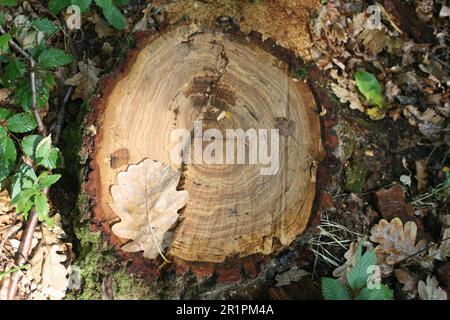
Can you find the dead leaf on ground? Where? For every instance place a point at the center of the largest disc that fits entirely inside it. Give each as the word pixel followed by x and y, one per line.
pixel 397 243
pixel 292 275
pixel 431 290
pixel 147 202
pixel 85 81
pixel 409 282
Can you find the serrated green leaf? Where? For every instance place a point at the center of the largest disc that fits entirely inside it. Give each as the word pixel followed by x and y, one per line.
pixel 333 289
pixel 383 293
pixel 44 83
pixel 82 4
pixel 8 3
pixel 29 145
pixel 4 43
pixel 45 180
pixel 56 6
pixel 5 113
pixel 21 123
pixel 47 155
pixel 370 87
pixel 8 154
pixel 24 201
pixel 24 178
pixel 13 71
pixel 358 275
pixel 45 26
pixel 53 57
pixel 41 205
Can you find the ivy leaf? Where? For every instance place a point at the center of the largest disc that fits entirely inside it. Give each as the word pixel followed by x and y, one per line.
pixel 82 4
pixel 4 42
pixel 45 180
pixel 45 26
pixel 29 145
pixel 8 3
pixel 370 87
pixel 41 205
pixel 47 155
pixel 8 154
pixel 53 57
pixel 56 6
pixel 333 289
pixel 358 275
pixel 21 123
pixel 382 293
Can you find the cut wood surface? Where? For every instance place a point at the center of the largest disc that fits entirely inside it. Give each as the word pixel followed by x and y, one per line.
pixel 184 75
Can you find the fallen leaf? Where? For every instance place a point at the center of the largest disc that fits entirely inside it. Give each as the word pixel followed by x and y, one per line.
pixel 431 290
pixel 85 81
pixel 146 200
pixel 397 243
pixel 409 282
pixel 350 261
pixel 292 275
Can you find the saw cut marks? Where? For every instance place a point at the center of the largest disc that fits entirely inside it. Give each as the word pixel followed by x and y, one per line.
pixel 185 75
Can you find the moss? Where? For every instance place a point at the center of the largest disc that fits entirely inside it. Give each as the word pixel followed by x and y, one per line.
pixel 348 141
pixel 355 176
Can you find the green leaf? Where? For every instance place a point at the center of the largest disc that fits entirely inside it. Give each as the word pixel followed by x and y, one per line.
pixel 29 145
pixel 45 180
pixel 8 3
pixel 41 205
pixel 120 2
pixel 82 4
pixel 115 18
pixel 2 19
pixel 44 83
pixel 4 43
pixel 383 293
pixel 21 123
pixel 358 275
pixel 45 26
pixel 53 57
pixel 48 155
pixel 370 87
pixel 112 14
pixel 56 6
pixel 24 200
pixel 104 4
pixel 8 154
pixel 333 289
pixel 5 113
pixel 13 71
pixel 24 178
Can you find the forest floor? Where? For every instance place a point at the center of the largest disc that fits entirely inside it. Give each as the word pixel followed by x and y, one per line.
pixel 385 79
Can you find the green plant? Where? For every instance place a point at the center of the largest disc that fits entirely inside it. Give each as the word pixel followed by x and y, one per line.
pixel 356 284
pixel 27 155
pixel 372 90
pixel 109 8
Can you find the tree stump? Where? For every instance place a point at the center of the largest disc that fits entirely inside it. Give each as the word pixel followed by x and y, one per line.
pixel 184 75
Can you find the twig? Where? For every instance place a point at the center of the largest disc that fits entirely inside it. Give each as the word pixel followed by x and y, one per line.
pixel 27 237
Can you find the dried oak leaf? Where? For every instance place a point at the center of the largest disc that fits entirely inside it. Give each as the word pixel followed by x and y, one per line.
pixel 146 201
pixel 49 272
pixel 85 81
pixel 431 290
pixel 397 243
pixel 409 282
